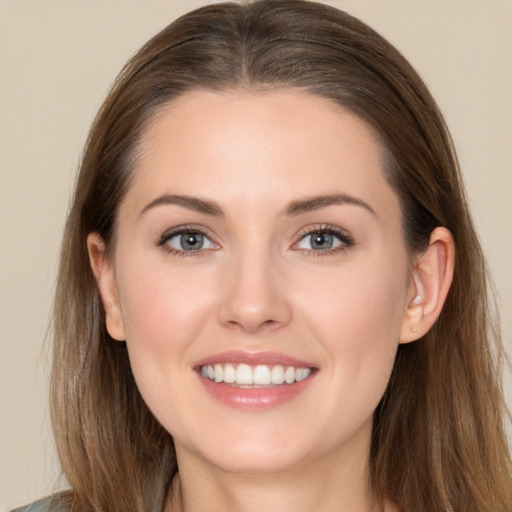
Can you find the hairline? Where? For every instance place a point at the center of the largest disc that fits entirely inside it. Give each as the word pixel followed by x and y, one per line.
pixel 152 115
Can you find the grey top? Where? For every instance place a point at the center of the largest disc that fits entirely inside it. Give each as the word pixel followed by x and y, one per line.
pixel 38 506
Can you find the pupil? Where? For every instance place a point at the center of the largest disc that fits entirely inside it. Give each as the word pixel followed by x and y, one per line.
pixel 321 241
pixel 191 240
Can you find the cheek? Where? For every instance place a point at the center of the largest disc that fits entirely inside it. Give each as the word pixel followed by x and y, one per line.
pixel 161 309
pixel 355 306
pixel 358 317
pixel 163 312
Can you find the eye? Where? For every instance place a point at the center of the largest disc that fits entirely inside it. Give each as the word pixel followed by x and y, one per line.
pixel 186 240
pixel 325 239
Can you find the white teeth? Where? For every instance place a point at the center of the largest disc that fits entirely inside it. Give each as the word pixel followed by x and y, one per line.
pixel 244 374
pixel 260 375
pixel 229 374
pixel 219 373
pixel 289 375
pixel 277 374
pixel 303 373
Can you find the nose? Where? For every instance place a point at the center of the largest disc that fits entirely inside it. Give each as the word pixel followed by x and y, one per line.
pixel 254 299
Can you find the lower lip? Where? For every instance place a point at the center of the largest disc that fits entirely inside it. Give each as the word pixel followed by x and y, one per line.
pixel 254 399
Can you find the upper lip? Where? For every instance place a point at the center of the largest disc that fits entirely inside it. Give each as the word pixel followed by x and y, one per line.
pixel 253 359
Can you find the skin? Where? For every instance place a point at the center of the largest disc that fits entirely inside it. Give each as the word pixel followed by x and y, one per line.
pixel 259 286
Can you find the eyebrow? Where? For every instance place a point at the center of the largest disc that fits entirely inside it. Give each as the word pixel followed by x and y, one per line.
pixel 294 208
pixel 192 203
pixel 317 202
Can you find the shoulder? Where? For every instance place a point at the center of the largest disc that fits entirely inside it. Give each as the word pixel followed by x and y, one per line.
pixel 50 504
pixel 38 506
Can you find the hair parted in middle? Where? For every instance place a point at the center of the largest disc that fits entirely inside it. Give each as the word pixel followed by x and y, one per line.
pixel 114 453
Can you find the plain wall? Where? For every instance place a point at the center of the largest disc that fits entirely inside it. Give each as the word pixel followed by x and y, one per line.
pixel 57 60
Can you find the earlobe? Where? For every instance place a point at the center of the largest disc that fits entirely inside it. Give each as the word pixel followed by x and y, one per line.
pixel 105 278
pixel 432 277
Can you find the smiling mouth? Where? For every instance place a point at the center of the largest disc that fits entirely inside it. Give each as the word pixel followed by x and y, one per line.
pixel 262 375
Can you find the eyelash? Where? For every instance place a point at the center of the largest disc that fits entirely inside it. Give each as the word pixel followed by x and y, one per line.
pixel 343 236
pixel 181 230
pixel 346 239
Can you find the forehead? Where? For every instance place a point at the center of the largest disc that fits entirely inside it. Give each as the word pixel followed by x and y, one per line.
pixel 254 144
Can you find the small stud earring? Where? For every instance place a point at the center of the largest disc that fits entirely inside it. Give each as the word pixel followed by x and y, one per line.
pixel 413 329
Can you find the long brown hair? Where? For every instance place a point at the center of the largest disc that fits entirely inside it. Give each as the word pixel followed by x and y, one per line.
pixel 438 440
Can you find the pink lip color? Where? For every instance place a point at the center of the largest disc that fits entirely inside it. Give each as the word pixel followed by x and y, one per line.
pixel 253 359
pixel 254 399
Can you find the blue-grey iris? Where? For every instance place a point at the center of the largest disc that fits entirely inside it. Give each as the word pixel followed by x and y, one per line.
pixel 191 241
pixel 321 240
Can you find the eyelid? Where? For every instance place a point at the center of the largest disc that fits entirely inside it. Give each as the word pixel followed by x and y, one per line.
pixel 346 239
pixel 183 229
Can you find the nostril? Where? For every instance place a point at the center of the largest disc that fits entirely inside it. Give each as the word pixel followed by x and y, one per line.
pixel 253 325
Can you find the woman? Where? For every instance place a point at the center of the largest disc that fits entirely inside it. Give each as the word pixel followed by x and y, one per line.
pixel 270 289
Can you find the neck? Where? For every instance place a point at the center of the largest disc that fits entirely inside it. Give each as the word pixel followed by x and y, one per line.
pixel 324 485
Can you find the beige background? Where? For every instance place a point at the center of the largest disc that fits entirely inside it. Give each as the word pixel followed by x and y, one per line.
pixel 57 60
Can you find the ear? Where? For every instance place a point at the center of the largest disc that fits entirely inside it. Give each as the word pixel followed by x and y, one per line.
pixel 105 278
pixel 432 277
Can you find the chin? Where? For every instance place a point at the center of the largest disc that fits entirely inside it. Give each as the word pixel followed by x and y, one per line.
pixel 264 454
pixel 256 462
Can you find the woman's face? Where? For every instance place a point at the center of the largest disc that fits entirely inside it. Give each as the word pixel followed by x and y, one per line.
pixel 260 241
